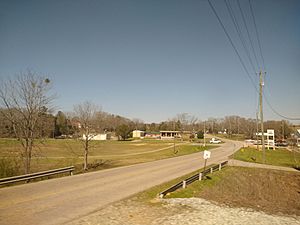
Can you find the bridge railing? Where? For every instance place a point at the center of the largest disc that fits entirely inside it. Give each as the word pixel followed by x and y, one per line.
pixel 28 177
pixel 198 176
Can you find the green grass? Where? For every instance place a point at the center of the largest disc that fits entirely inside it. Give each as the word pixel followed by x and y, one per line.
pixel 195 188
pixel 278 157
pixel 235 137
pixel 151 193
pixel 52 153
pixel 190 191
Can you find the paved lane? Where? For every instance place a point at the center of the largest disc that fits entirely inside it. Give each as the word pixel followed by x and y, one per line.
pixel 61 200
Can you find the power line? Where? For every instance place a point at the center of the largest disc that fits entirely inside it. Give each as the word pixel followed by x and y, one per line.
pixel 257 36
pixel 277 113
pixel 232 44
pixel 248 33
pixel 263 62
pixel 237 28
pixel 241 60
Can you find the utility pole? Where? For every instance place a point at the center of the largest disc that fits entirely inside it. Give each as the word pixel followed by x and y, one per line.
pixel 174 148
pixel 238 125
pixel 283 130
pixel 204 135
pixel 257 130
pixel 261 84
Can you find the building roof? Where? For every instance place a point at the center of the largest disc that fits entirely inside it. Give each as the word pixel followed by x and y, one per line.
pixel 169 131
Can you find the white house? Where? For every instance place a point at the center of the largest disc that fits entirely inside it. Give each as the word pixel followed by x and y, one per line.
pixel 270 135
pixel 98 137
pixel 138 134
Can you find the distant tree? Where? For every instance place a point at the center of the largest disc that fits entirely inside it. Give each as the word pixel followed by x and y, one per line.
pixel 164 126
pixel 138 124
pixel 6 129
pixel 46 124
pixel 26 100
pixel 86 114
pixel 200 135
pixel 61 124
pixel 152 127
pixel 123 131
pixel 185 122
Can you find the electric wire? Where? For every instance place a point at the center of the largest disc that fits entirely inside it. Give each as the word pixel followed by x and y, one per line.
pixel 242 62
pixel 257 36
pixel 248 33
pixel 263 63
pixel 276 112
pixel 238 29
pixel 232 44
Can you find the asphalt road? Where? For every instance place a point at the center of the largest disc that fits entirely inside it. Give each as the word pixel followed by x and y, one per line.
pixel 62 200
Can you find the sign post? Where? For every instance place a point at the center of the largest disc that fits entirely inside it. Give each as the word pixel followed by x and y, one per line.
pixel 206 155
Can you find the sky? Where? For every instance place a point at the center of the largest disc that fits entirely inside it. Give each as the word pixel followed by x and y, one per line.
pixel 154 59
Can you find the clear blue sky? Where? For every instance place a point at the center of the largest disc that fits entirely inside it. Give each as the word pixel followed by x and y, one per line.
pixel 153 59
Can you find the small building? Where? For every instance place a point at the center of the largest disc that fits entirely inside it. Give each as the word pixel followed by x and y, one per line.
pixel 98 137
pixel 165 134
pixel 153 134
pixel 138 134
pixel 298 137
pixel 270 138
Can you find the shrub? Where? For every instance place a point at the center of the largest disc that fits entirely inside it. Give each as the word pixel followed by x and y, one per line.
pixel 9 166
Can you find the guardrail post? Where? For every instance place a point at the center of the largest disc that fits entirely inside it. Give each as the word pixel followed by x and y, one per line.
pixel 161 196
pixel 211 170
pixel 184 184
pixel 71 173
pixel 220 166
pixel 200 176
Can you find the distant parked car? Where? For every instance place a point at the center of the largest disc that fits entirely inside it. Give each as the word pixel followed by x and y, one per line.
pixel 215 141
pixel 281 143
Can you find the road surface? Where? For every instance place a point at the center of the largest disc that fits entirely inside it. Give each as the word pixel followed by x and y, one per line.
pixel 61 200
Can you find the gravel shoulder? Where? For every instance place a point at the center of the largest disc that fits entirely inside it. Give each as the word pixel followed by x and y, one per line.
pixel 178 211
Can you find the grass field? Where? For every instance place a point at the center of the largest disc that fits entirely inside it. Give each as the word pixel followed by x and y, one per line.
pixel 278 157
pixel 53 153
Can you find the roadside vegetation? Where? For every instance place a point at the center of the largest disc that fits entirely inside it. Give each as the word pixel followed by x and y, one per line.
pixel 277 157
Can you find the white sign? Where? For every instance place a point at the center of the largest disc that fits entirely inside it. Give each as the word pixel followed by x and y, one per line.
pixel 206 154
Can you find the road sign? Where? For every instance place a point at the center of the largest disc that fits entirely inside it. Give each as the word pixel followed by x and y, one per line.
pixel 206 154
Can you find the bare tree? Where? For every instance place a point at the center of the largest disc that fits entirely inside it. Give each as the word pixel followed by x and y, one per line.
pixel 26 100
pixel 86 113
pixel 138 124
pixel 187 121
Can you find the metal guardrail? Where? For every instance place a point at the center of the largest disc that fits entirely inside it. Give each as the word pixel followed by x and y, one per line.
pixel 26 177
pixel 198 176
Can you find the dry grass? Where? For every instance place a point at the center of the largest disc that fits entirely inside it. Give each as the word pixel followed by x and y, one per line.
pixel 52 153
pixel 272 191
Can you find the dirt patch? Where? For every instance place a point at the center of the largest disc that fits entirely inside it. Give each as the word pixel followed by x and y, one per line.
pixel 126 212
pixel 138 144
pixel 271 191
